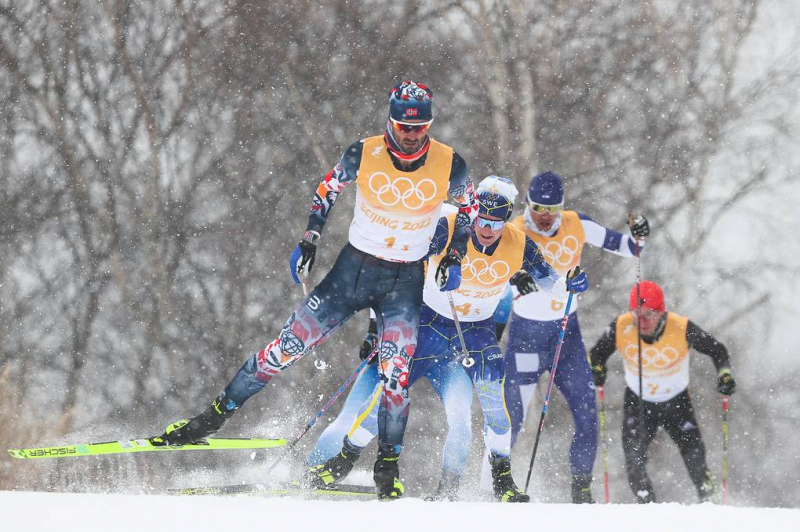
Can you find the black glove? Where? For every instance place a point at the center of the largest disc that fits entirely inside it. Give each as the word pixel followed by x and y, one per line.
pixel 370 342
pixel 726 384
pixel 639 226
pixel 302 259
pixel 524 283
pixel 599 374
pixel 448 274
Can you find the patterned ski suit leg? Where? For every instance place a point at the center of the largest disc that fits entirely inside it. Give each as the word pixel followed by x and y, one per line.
pixel 398 319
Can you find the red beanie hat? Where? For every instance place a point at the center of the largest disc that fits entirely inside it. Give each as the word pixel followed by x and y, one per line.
pixel 650 296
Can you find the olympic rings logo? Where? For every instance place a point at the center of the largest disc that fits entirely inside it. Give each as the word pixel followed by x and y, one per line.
pixel 562 253
pixel 485 273
pixel 652 358
pixel 402 190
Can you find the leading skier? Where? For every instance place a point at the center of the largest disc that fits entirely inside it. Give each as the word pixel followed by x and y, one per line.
pixel 402 179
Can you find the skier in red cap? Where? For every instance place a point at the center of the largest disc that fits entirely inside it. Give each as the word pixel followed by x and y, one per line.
pixel 666 339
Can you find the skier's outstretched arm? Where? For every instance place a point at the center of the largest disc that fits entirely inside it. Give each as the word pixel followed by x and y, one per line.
pixel 609 240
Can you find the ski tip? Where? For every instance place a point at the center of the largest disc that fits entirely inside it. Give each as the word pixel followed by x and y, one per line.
pixel 17 453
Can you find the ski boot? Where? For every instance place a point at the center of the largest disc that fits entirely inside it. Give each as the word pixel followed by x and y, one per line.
pixel 645 496
pixel 335 469
pixel 504 488
pixel 449 485
pixel 582 489
pixel 386 473
pixel 707 491
pixel 199 427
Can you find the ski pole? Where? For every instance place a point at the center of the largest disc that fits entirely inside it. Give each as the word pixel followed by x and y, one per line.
pixel 288 448
pixel 637 250
pixel 725 450
pixel 466 360
pixel 604 441
pixel 549 387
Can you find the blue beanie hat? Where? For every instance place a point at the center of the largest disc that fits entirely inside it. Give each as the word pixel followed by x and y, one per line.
pixel 410 101
pixel 546 189
pixel 496 196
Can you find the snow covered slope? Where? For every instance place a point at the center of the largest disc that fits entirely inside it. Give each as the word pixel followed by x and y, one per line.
pixel 62 512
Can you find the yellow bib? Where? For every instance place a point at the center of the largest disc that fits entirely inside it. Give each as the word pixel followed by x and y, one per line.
pixel 562 250
pixel 665 363
pixel 483 277
pixel 396 211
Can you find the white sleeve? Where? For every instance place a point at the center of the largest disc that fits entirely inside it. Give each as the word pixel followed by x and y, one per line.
pixel 609 240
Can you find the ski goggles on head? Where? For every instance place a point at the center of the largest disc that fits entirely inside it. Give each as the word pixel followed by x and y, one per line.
pixel 408 127
pixel 494 225
pixel 539 208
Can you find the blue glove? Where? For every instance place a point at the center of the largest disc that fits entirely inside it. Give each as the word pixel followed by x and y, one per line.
pixel 448 274
pixel 577 281
pixel 302 259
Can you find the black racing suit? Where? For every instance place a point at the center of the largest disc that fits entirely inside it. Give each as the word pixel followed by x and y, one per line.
pixel 676 415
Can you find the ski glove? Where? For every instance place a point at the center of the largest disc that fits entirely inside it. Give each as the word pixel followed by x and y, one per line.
pixel 448 274
pixel 599 374
pixel 524 283
pixel 726 384
pixel 370 342
pixel 302 259
pixel 577 282
pixel 639 226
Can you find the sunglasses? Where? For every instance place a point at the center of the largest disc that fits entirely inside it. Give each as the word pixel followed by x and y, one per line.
pixel 646 313
pixel 408 127
pixel 539 208
pixel 494 225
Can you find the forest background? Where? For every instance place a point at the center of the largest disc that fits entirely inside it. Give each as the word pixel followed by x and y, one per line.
pixel 158 161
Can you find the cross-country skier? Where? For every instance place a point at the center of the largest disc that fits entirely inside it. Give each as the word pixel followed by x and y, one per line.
pixel 536 320
pixel 402 178
pixel 497 253
pixel 666 342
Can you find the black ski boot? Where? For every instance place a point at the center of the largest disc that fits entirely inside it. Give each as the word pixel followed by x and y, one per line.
pixel 449 485
pixel 336 468
pixel 645 495
pixel 582 489
pixel 387 473
pixel 199 427
pixel 504 488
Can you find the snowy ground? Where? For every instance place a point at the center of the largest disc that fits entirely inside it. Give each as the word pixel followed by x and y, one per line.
pixel 64 512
